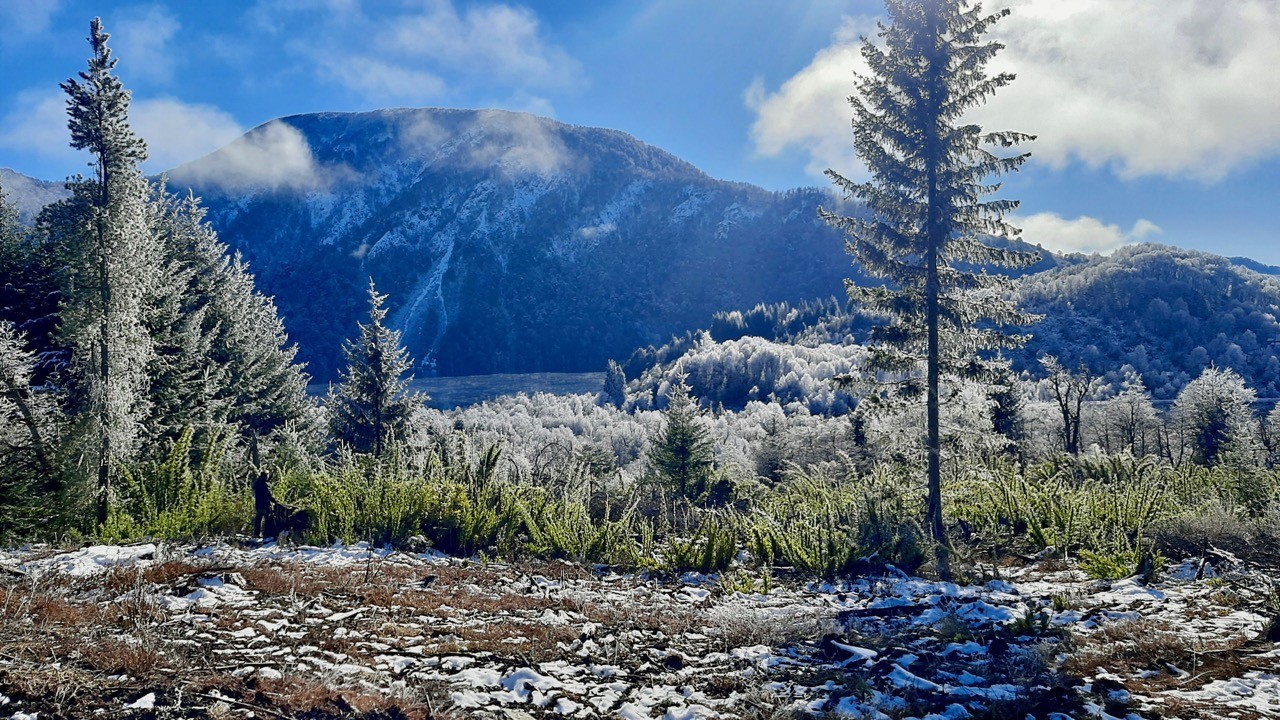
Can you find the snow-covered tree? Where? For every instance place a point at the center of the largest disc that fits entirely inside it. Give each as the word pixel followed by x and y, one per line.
pixel 371 407
pixel 1130 419
pixel 1270 436
pixel 1069 391
pixel 928 205
pixel 222 356
pixel 28 422
pixel 1216 411
pixel 615 385
pixel 112 261
pixel 683 453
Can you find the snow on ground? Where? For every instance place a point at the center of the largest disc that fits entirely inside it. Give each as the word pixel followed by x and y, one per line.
pixel 282 631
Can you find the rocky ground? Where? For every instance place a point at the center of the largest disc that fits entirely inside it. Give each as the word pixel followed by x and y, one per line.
pixel 232 631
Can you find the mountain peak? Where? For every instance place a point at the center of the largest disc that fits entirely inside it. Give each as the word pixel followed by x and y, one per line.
pixel 318 151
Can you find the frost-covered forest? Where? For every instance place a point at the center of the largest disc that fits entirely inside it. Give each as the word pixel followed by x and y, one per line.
pixel 989 482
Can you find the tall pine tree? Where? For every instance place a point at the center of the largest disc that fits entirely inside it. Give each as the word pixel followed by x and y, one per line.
pixel 372 406
pixel 112 261
pixel 927 209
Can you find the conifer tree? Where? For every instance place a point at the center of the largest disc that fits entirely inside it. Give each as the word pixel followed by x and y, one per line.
pixel 683 453
pixel 927 207
pixel 111 262
pixel 222 356
pixel 372 406
pixel 615 385
pixel 1216 409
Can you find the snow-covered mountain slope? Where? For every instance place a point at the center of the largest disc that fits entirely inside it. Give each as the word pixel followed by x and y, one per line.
pixel 507 242
pixel 29 194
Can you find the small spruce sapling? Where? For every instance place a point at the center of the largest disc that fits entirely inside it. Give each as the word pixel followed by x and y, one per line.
pixel 683 453
pixel 371 407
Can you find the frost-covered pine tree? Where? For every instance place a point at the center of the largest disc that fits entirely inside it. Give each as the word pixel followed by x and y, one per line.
pixel 615 385
pixel 1216 412
pixel 928 205
pixel 112 261
pixel 683 453
pixel 371 407
pixel 222 356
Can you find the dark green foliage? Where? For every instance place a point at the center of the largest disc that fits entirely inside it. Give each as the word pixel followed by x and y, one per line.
pixel 371 407
pixel 98 106
pixel 683 453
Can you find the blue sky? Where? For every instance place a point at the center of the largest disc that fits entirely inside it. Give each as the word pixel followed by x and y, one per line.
pixel 1157 118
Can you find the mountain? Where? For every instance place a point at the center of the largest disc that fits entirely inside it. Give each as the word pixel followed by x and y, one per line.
pixel 513 243
pixel 507 242
pixel 1255 266
pixel 28 194
pixel 1167 313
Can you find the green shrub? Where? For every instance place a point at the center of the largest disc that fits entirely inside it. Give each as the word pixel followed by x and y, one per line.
pixel 823 526
pixel 176 498
pixel 1102 505
pixel 564 529
pixel 711 548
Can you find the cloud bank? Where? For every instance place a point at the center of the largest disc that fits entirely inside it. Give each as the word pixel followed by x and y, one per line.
pixel 175 132
pixel 1172 88
pixel 1082 235
pixel 271 157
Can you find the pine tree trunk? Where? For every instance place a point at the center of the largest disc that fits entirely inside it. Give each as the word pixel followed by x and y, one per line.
pixel 104 370
pixel 937 529
pixel 936 230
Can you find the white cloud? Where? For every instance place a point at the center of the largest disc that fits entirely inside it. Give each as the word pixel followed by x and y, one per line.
pixel 174 131
pixel 1177 88
pixel 1082 235
pixel 177 132
pixel 811 109
pixel 424 52
pixel 274 156
pixel 493 41
pixel 383 82
pixel 140 36
pixel 27 17
pixel 37 124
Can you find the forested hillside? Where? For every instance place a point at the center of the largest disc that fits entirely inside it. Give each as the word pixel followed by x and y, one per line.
pixel 1166 312
pixel 506 242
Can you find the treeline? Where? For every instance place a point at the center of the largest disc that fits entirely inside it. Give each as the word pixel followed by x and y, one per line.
pixel 140 369
pixel 1165 314
pixel 124 323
